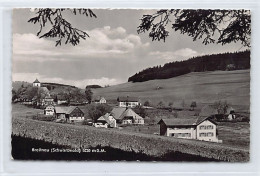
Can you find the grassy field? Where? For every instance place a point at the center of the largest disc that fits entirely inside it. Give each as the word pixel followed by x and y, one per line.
pixel 22 111
pixel 233 134
pixel 202 87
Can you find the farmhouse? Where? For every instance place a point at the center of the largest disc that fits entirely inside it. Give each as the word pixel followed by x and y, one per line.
pixel 107 119
pixel 49 110
pixel 126 116
pixel 200 128
pixel 128 101
pixel 70 113
pixel 100 100
pixel 48 100
pixel 36 83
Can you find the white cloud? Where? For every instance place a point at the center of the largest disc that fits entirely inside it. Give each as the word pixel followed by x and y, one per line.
pixel 178 55
pixel 104 43
pixel 30 77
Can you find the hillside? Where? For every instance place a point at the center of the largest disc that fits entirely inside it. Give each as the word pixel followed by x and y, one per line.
pixel 223 61
pixel 202 87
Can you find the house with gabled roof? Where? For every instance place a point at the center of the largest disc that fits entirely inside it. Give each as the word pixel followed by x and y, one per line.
pixel 126 116
pixel 107 119
pixel 128 101
pixel 199 128
pixel 49 110
pixel 70 113
pixel 100 100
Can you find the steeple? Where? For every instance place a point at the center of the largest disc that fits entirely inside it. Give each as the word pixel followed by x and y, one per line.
pixel 36 83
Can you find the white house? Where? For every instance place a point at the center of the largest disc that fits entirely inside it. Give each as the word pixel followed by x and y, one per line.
pixel 107 119
pixel 199 128
pixel 126 116
pixel 128 102
pixel 49 110
pixel 36 83
pixel 100 100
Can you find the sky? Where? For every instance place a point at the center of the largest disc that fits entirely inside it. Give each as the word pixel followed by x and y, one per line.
pixel 113 53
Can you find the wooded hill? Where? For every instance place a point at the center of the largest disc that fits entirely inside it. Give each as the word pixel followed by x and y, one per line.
pixel 224 61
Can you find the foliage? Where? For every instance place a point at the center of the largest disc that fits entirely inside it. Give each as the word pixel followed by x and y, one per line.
pixel 88 94
pixel 221 106
pixel 61 29
pixel 147 103
pixel 241 60
pixel 193 105
pixel 161 104
pixel 140 111
pixel 97 110
pixel 211 26
pixel 93 86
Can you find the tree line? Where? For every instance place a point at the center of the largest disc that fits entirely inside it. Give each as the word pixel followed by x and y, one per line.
pixel 224 61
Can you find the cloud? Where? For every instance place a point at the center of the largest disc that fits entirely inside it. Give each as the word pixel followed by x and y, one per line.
pixel 30 77
pixel 104 43
pixel 178 55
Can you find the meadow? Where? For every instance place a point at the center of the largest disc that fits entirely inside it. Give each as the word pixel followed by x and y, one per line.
pixel 202 87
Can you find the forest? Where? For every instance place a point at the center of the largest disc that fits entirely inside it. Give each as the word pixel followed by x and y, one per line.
pixel 223 61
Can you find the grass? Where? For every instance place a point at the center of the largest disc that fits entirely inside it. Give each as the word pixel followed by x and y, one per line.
pixel 22 111
pixel 151 145
pixel 233 134
pixel 202 87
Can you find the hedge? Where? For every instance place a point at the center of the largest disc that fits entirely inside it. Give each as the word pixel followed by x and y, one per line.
pixel 151 145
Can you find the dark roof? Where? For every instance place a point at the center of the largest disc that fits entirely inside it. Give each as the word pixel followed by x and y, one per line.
pixel 65 110
pixel 120 113
pixel 127 99
pixel 185 122
pixel 36 81
pixel 117 112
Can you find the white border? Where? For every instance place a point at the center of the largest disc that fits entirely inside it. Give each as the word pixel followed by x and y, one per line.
pixel 9 167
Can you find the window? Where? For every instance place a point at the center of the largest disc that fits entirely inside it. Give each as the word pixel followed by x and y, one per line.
pixel 202 127
pixel 210 127
pixel 210 134
pixel 202 134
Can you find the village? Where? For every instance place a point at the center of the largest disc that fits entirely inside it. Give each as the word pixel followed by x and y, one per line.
pixel 129 114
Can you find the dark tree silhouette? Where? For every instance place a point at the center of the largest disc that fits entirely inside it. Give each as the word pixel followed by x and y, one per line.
pixel 61 29
pixel 212 26
pixel 89 94
pixel 193 105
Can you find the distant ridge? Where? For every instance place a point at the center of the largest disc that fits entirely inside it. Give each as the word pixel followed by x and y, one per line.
pixel 223 61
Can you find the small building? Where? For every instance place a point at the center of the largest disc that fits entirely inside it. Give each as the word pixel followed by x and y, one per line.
pixel 36 83
pixel 128 102
pixel 49 110
pixel 100 100
pixel 199 128
pixel 61 100
pixel 126 116
pixel 70 113
pixel 107 119
pixel 48 100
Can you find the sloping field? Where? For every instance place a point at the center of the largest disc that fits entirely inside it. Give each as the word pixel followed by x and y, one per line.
pixel 202 87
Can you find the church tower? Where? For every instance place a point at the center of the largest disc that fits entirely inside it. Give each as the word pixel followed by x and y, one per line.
pixel 36 83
